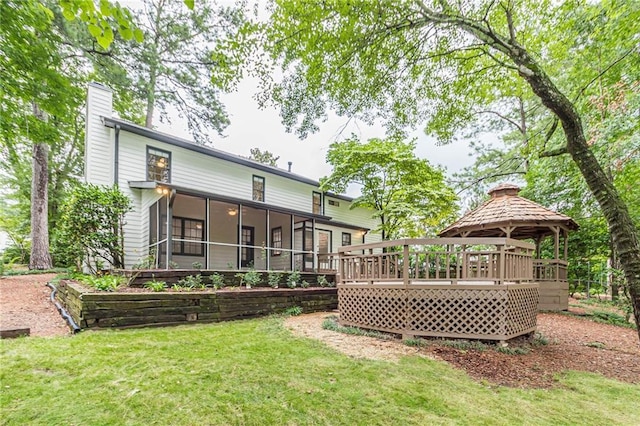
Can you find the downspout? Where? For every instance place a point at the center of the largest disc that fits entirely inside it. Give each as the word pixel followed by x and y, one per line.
pixel 117 155
pixel 63 312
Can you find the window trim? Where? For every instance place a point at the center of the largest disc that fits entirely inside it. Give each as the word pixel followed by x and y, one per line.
pixel 253 190
pixel 182 252
pixel 163 151
pixel 344 234
pixel 313 203
pixel 276 243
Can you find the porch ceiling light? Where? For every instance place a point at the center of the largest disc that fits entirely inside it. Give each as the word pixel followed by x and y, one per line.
pixel 232 212
pixel 162 190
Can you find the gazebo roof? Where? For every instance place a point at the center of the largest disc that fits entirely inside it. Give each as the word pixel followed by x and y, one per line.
pixel 505 209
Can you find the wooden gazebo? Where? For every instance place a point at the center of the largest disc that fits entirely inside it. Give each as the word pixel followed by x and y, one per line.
pixel 508 215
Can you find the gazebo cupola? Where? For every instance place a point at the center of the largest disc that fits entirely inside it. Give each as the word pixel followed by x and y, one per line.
pixel 506 214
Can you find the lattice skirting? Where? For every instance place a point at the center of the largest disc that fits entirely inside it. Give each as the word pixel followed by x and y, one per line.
pixel 498 312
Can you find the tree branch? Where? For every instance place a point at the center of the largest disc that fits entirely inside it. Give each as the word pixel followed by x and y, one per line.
pixel 555 152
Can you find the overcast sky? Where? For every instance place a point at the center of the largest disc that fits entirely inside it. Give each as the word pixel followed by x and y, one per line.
pixel 251 127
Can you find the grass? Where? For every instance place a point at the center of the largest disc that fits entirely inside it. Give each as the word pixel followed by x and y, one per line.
pixel 256 373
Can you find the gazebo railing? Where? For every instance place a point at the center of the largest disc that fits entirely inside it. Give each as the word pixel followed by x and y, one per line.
pixel 442 260
pixel 550 269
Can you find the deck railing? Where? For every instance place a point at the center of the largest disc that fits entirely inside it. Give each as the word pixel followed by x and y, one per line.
pixel 442 260
pixel 478 288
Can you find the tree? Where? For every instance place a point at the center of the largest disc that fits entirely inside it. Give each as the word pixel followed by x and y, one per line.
pixel 92 225
pixel 264 157
pixel 408 195
pixel 172 67
pixel 406 61
pixel 38 109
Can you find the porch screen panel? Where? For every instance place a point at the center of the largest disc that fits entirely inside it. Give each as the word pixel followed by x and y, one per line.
pixel 223 235
pixel 280 254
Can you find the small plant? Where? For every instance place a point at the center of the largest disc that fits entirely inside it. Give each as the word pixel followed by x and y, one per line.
pixel 250 278
pixel 293 311
pixel 598 345
pixel 273 278
pixel 513 350
pixel 331 323
pixel 173 265
pixel 217 280
pixel 192 282
pixel 155 285
pixel 177 287
pixel 196 265
pixel 304 284
pixel 465 345
pixel 102 283
pixel 414 342
pixel 293 279
pixel 147 262
pixel 539 340
pixel 322 281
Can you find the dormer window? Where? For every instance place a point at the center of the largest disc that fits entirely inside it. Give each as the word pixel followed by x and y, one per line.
pixel 158 165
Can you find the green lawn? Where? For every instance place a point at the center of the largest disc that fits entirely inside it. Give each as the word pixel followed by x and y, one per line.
pixel 257 373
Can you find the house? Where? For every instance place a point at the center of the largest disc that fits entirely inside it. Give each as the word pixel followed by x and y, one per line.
pixel 212 207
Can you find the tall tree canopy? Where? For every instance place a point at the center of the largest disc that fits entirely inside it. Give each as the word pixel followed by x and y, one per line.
pixel 408 195
pixel 173 66
pixel 409 61
pixel 264 157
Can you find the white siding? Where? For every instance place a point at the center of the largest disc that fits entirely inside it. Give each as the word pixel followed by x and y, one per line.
pixel 197 172
pixel 99 145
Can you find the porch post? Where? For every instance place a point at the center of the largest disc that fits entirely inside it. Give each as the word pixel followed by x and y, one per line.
pixel 313 245
pixel 292 253
pixel 207 221
pixel 267 250
pixel 171 197
pixel 239 240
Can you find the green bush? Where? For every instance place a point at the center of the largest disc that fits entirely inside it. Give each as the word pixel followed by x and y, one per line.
pixel 273 278
pixel 217 280
pixel 251 278
pixel 293 279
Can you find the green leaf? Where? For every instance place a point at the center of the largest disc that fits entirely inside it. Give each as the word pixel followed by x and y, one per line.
pixel 138 35
pixel 126 33
pixel 94 30
pixel 190 4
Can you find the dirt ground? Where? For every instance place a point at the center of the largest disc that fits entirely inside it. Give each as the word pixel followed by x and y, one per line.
pixel 574 343
pixel 25 303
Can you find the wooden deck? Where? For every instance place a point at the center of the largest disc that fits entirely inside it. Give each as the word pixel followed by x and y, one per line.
pixel 477 288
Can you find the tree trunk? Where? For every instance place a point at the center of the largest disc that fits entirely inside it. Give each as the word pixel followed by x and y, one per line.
pixel 623 231
pixel 40 256
pixel 621 227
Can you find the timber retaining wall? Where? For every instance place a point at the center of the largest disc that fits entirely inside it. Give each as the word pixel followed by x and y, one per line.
pixel 120 310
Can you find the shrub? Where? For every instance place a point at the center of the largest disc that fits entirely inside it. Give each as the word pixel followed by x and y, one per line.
pixel 192 282
pixel 197 265
pixel 91 225
pixel 217 280
pixel 250 278
pixel 323 282
pixel 155 285
pixel 304 284
pixel 293 279
pixel 273 278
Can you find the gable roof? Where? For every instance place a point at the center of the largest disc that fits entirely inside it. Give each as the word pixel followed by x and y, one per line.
pixel 212 152
pixel 506 208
